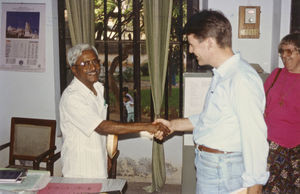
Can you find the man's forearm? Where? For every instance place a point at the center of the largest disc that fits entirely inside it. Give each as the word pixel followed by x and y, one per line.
pixel 118 128
pixel 114 127
pixel 183 124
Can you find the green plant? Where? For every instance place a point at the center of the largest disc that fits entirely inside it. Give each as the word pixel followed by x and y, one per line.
pixel 146 110
pixel 173 102
pixel 144 69
pixel 128 74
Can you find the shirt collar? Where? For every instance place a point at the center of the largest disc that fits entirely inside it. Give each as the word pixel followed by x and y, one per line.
pixel 228 66
pixel 82 87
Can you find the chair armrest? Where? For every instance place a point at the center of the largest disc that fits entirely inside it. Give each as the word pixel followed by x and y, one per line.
pixel 112 165
pixel 51 160
pixel 41 157
pixel 115 156
pixel 54 157
pixel 4 146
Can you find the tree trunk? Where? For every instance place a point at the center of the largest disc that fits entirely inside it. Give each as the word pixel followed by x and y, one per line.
pixel 114 87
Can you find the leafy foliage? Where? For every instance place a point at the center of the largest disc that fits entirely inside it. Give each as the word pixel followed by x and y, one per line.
pixel 112 18
pixel 128 74
pixel 126 24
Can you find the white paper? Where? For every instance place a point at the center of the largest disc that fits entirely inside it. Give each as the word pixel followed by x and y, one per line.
pixel 35 180
pixel 107 184
pixel 194 96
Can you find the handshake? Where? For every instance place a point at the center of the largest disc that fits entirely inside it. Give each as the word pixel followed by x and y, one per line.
pixel 160 128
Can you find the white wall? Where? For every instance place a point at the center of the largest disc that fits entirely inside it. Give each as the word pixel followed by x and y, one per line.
pixel 284 23
pixel 274 24
pixel 31 94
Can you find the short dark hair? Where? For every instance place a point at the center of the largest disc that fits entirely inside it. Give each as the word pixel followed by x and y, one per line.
pixel 210 23
pixel 126 97
pixel 293 39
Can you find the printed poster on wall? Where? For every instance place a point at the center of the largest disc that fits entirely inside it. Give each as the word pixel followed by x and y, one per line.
pixel 196 86
pixel 23 37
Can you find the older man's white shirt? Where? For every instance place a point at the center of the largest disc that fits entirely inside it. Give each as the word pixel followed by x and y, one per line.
pixel 83 152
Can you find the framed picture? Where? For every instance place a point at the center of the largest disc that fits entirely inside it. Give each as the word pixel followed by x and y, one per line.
pixel 23 37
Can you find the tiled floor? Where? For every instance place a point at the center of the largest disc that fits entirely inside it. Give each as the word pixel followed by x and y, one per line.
pixel 137 188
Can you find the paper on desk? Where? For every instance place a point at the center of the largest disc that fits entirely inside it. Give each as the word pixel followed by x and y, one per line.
pixel 70 188
pixel 41 183
pixel 107 184
pixel 113 185
pixel 35 180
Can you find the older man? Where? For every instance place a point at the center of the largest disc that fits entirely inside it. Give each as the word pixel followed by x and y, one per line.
pixel 82 118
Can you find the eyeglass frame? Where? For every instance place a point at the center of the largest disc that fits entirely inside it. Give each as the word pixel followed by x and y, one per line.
pixel 86 64
pixel 288 52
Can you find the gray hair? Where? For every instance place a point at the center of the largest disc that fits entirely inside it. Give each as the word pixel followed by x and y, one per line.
pixel 76 51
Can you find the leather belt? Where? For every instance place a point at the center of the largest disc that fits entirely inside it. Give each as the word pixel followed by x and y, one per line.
pixel 211 150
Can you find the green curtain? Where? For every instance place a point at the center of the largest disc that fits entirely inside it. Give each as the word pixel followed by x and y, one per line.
pixel 157 18
pixel 81 21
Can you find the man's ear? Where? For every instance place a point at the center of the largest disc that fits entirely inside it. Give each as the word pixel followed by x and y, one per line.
pixel 74 70
pixel 211 42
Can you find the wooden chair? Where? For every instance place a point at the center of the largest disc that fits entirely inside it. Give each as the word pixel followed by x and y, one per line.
pixel 32 141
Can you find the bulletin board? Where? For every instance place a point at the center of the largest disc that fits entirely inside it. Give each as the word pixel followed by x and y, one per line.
pixel 195 88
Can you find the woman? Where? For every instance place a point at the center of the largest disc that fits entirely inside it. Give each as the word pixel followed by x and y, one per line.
pixel 282 115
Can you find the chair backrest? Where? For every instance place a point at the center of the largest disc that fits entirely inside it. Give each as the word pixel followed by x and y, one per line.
pixel 30 137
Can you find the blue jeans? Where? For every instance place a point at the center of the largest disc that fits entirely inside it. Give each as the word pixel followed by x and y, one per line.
pixel 218 173
pixel 130 117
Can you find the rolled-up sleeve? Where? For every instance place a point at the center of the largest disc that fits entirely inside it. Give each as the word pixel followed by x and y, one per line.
pixel 249 106
pixel 194 119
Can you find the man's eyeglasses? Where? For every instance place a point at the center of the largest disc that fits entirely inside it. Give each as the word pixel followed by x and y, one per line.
pixel 88 64
pixel 287 52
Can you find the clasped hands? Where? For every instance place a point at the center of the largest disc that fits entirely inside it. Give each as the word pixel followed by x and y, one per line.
pixel 162 128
